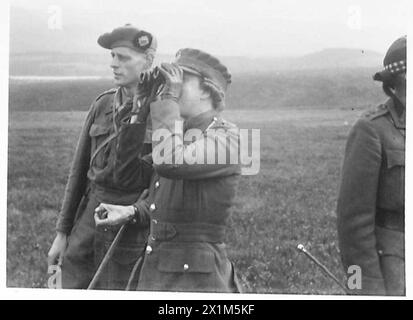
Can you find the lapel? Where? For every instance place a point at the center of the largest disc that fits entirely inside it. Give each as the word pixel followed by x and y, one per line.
pixel 398 121
pixel 110 107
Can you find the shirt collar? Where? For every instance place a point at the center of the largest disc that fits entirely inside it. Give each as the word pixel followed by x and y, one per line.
pixel 200 121
pixel 399 121
pixel 119 101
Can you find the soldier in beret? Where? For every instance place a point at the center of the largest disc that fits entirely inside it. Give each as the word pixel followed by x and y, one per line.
pixel 371 200
pixel 109 169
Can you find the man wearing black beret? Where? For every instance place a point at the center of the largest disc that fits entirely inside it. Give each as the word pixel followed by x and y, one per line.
pixel 108 168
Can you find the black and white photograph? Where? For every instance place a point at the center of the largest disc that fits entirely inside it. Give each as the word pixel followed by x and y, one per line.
pixel 171 147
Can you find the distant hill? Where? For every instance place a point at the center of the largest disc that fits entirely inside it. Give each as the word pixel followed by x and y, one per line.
pixel 327 78
pixel 36 49
pixel 293 88
pixel 333 58
pixel 88 64
pixel 341 58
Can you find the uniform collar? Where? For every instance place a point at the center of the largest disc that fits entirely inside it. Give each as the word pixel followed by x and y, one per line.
pixel 200 121
pixel 399 121
pixel 119 101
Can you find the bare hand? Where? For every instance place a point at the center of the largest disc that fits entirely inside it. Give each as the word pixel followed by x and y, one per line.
pixel 113 215
pixel 55 255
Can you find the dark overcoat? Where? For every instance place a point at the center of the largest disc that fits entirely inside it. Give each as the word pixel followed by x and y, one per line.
pixel 371 201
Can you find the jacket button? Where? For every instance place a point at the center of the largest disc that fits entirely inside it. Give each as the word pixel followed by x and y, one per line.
pixel 148 249
pixel 157 184
pixel 152 207
pixel 186 267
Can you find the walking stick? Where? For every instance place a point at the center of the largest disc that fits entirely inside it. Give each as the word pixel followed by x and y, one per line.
pixel 106 258
pixel 302 249
pixel 135 270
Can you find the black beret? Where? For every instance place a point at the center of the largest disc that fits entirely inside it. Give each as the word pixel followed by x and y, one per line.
pixel 130 37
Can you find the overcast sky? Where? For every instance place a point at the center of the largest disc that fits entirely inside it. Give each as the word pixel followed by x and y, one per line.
pixel 241 27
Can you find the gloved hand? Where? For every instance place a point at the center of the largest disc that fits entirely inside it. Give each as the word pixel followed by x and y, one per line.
pixel 140 107
pixel 173 75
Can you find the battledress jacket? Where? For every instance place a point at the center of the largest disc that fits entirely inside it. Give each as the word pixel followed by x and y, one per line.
pixel 189 203
pixel 109 159
pixel 371 201
pixel 109 166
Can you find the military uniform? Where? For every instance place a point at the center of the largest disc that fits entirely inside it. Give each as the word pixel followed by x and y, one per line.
pixel 371 201
pixel 370 207
pixel 189 210
pixel 107 168
pixel 191 192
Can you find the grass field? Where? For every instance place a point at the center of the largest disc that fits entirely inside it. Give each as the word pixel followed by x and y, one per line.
pixel 292 199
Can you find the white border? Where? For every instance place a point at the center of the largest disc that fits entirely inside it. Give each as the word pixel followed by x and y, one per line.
pixel 18 293
pixel 4 90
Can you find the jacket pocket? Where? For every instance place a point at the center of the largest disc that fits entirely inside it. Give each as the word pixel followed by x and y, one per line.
pixel 98 130
pixel 391 184
pixel 186 260
pixel 395 157
pixel 98 133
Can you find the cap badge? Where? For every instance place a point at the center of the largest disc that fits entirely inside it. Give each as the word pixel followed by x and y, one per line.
pixel 143 41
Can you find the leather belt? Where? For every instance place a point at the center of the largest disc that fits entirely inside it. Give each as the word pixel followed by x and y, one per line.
pixel 390 219
pixel 114 196
pixel 187 232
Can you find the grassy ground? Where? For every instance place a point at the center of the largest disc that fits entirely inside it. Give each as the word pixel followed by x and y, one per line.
pixel 291 200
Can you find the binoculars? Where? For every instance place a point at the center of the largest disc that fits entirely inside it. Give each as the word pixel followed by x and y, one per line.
pixel 152 80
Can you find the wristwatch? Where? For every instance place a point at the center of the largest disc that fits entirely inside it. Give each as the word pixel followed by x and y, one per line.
pixel 134 218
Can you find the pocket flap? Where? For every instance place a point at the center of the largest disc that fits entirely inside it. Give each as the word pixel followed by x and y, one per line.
pixel 186 260
pixel 395 157
pixel 98 129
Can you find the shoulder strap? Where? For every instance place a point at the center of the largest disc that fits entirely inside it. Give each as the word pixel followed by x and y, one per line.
pixel 110 91
pixel 109 138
